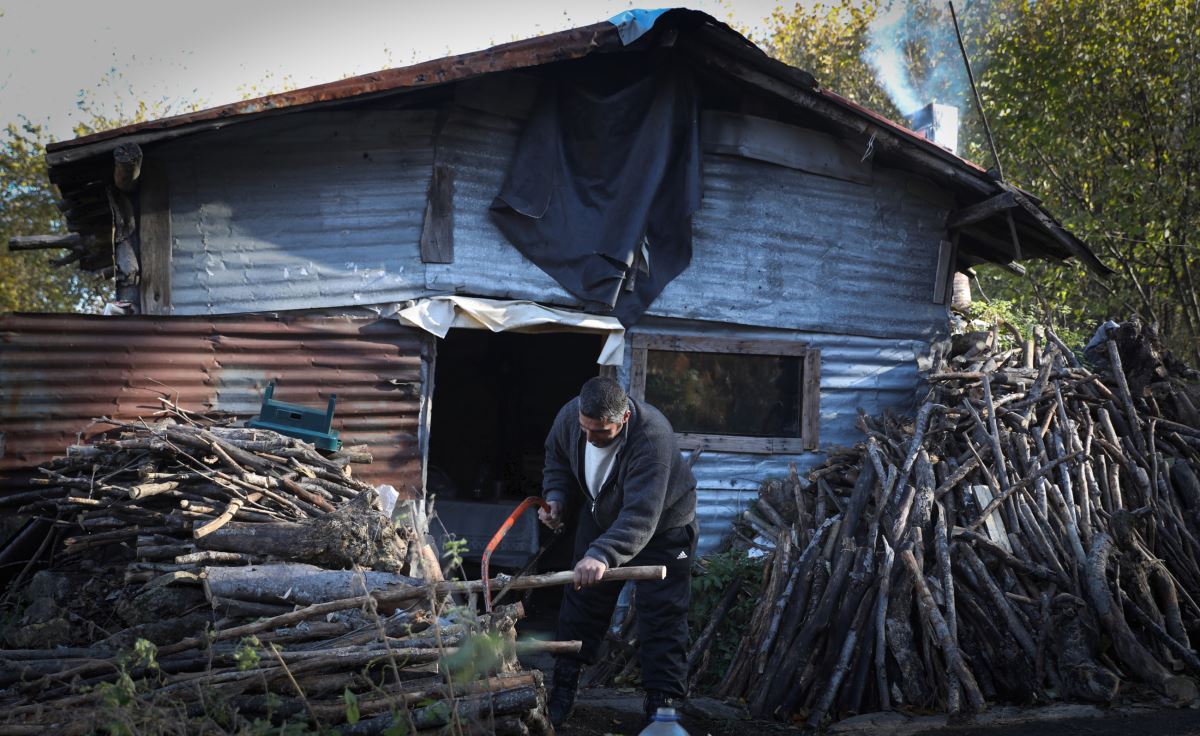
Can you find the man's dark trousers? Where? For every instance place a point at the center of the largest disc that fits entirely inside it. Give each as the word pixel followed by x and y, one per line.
pixel 662 607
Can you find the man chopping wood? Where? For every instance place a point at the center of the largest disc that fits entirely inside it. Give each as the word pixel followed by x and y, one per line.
pixel 615 460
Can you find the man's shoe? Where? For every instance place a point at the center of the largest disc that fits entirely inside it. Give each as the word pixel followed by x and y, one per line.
pixel 562 695
pixel 656 699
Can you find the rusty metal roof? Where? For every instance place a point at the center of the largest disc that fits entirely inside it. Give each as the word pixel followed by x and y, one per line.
pixel 60 373
pixel 565 45
pixel 562 46
pixel 711 44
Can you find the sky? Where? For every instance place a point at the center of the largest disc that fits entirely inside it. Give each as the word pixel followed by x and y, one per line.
pixel 171 54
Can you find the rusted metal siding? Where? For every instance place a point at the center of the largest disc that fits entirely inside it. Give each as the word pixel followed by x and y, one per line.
pixel 59 373
pixel 322 210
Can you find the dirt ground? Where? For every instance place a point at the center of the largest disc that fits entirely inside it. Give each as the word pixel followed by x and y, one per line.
pixel 617 712
pixel 1170 722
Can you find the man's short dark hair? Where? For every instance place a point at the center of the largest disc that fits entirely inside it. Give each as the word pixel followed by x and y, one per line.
pixel 604 399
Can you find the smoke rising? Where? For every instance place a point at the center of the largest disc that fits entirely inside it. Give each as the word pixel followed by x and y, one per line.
pixel 885 54
pixel 913 51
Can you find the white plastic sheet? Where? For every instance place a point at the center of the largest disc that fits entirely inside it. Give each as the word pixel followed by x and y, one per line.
pixel 438 314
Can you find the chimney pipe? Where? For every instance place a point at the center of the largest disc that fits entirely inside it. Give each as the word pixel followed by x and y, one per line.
pixel 938 123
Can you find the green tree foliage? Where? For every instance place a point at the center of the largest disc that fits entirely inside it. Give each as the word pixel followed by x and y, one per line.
pixel 830 42
pixel 1094 108
pixel 29 282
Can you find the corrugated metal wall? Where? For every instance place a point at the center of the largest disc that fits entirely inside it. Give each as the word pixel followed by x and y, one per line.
pixel 778 247
pixel 322 209
pixel 330 214
pixel 773 246
pixel 871 373
pixel 478 146
pixel 60 372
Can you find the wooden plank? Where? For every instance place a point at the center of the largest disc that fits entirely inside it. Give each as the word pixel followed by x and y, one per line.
pixel 755 445
pixel 637 373
pixel 154 239
pixel 425 415
pixel 437 235
pixel 980 211
pixel 717 345
pixel 810 412
pixel 994 524
pixel 778 143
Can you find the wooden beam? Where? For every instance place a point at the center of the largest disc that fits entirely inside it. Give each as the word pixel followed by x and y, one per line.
pixel 980 211
pixel 637 373
pixel 1068 241
pixel 44 242
pixel 998 250
pixel 810 415
pixel 437 236
pixel 717 345
pixel 749 445
pixel 1012 233
pixel 154 234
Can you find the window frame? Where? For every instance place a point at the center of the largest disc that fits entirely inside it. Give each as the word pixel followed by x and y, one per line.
pixel 810 389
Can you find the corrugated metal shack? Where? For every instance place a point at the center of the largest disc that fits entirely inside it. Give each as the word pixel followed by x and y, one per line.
pixel 824 250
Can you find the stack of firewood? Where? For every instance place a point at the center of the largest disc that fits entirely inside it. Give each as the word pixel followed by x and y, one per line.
pixel 1031 535
pixel 215 575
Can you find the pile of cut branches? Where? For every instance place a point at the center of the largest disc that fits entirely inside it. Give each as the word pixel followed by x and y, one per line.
pixel 1032 534
pixel 207 578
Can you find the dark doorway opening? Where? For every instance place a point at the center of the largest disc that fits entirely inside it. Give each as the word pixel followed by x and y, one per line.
pixel 495 396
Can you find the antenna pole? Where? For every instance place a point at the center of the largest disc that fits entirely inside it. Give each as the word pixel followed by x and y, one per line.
pixel 975 90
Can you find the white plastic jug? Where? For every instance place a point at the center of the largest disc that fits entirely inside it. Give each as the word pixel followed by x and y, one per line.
pixel 665 723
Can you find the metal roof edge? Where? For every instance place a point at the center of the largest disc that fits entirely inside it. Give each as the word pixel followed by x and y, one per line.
pixel 562 46
pixel 715 39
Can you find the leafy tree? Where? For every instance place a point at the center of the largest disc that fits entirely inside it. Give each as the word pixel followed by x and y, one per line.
pixel 1094 107
pixel 29 282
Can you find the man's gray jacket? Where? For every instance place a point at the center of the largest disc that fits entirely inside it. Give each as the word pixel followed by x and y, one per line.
pixel 649 489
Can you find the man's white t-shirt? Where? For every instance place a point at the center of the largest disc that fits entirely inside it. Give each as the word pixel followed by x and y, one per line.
pixel 598 464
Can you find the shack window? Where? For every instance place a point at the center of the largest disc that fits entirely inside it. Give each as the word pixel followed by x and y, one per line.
pixel 732 395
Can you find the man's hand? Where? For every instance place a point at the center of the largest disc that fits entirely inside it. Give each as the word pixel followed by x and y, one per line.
pixel 589 571
pixel 553 517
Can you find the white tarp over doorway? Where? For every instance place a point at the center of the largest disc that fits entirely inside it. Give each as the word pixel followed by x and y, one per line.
pixel 439 313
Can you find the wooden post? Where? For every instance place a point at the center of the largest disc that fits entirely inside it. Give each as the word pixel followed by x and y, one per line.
pixel 154 238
